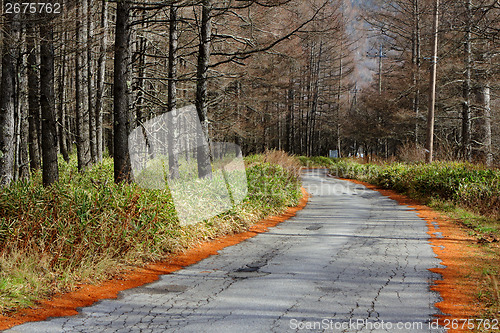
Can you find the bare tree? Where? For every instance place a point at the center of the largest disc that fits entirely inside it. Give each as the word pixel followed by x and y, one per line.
pixel 432 91
pixel 173 163
pixel 33 101
pixel 122 167
pixel 10 54
pixel 90 88
pixel 81 110
pixel 101 77
pixel 50 168
pixel 203 154
pixel 22 126
pixel 61 106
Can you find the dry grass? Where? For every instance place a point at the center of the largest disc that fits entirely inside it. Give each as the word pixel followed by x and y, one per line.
pixel 291 164
pixel 411 152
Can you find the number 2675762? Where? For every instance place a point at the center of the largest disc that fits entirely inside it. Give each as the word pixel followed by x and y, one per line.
pixel 32 8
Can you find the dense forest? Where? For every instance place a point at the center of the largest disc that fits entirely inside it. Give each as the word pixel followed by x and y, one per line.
pixel 304 76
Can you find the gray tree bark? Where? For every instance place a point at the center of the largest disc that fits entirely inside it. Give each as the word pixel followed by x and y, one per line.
pixel 203 153
pixel 10 54
pixel 339 95
pixel 81 110
pixel 416 60
pixel 90 88
pixel 50 169
pixel 483 95
pixel 33 101
pixel 432 91
pixel 289 117
pixel 122 167
pixel 23 115
pixel 61 111
pixel 466 104
pixel 101 77
pixel 173 164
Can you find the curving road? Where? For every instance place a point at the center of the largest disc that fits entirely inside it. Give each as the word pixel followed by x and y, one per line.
pixel 351 261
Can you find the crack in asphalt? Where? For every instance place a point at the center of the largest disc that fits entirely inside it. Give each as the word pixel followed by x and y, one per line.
pixel 351 255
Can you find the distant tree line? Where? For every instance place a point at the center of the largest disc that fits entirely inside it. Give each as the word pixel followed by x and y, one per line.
pixel 265 74
pixel 83 78
pixel 468 70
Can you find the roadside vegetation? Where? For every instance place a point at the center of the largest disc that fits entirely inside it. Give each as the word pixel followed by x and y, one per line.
pixel 470 192
pixel 467 190
pixel 86 228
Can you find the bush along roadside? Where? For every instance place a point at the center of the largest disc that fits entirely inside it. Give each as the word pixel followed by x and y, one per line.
pixel 444 185
pixel 86 229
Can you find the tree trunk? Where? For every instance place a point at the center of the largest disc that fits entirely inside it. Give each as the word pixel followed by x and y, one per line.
pixel 90 88
pixel 121 90
pixel 416 60
pixel 139 43
pixel 61 108
pixel 23 112
pixel 483 96
pixel 33 101
pixel 173 164
pixel 8 98
pixel 466 104
pixel 310 93
pixel 203 153
pixel 289 118
pixel 432 90
pixel 339 95
pixel 101 78
pixel 50 170
pixel 82 117
pixel 315 101
pixel 301 134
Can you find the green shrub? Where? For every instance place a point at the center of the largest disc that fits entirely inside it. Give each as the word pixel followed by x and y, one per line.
pixel 316 161
pixel 347 168
pixel 85 226
pixel 464 184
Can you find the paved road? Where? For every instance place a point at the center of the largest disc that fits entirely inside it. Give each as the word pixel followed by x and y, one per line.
pixel 351 261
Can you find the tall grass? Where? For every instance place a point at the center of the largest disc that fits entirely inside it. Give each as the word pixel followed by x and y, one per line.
pixel 87 228
pixel 467 185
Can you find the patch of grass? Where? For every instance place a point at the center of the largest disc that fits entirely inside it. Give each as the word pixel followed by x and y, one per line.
pixel 468 186
pixel 86 228
pixel 316 161
pixel 479 224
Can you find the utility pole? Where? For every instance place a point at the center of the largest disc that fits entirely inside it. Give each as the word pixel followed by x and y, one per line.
pixel 432 94
pixel 380 55
pixel 339 95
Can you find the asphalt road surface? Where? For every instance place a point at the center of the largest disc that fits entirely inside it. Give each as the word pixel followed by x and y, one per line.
pixel 351 261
